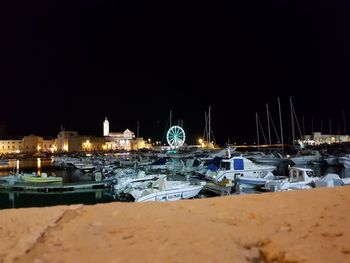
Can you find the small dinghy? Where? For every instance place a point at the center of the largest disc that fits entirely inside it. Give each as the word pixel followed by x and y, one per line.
pixel 34 178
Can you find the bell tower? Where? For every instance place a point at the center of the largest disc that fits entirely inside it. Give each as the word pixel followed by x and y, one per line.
pixel 106 127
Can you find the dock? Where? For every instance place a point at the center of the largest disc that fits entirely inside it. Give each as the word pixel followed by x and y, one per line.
pixel 54 187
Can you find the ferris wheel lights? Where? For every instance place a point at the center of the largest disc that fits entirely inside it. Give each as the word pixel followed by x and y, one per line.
pixel 175 136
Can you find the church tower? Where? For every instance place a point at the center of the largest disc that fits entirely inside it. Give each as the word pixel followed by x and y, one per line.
pixel 106 127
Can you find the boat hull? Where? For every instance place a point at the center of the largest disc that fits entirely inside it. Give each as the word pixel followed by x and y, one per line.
pixel 38 179
pixel 171 195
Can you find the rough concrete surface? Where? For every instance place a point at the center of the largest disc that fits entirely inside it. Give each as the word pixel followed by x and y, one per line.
pixel 300 226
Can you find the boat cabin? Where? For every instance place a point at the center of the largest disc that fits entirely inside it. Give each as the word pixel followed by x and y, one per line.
pixel 236 164
pixel 297 174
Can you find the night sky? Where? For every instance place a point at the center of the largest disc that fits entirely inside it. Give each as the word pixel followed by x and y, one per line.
pixel 74 63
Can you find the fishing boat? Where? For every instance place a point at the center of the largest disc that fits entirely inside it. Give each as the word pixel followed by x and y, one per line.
pixel 236 167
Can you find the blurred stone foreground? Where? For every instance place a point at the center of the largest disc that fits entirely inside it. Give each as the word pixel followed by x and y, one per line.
pixel 300 226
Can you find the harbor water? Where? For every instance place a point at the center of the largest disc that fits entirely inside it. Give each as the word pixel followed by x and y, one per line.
pixel 88 196
pixel 36 199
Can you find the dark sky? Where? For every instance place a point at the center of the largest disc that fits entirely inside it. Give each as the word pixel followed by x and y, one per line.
pixel 75 63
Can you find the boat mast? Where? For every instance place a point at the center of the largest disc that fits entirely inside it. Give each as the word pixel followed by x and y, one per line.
pixel 330 125
pixel 257 128
pixel 171 112
pixel 344 122
pixel 292 119
pixel 303 128
pixel 268 122
pixel 280 114
pixel 138 129
pixel 209 126
pixel 205 134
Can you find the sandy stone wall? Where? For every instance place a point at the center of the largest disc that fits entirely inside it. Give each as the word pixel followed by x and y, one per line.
pixel 303 226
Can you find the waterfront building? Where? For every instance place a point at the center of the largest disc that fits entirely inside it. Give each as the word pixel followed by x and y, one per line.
pixel 69 141
pixel 120 140
pixel 11 146
pixel 317 138
pixel 28 144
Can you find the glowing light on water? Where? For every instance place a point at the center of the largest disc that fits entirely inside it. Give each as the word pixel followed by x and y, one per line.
pixel 38 165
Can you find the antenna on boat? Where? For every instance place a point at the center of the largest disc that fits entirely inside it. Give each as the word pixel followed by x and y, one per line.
pixel 280 114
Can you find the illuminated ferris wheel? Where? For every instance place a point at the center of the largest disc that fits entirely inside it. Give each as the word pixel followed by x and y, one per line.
pixel 175 136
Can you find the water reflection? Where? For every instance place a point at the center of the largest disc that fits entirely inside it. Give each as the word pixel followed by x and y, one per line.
pixel 34 199
pixel 38 166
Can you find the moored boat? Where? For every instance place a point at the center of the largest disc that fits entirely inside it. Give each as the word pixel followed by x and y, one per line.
pixel 41 179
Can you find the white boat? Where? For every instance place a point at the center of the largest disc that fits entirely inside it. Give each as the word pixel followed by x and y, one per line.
pixel 299 178
pixel 346 180
pixel 126 184
pixel 329 180
pixel 163 190
pixel 238 166
pixel 248 182
pixel 306 157
pixel 345 160
pixel 273 158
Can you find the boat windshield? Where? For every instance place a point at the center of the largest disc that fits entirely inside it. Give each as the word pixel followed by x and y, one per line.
pixel 225 166
pixel 310 173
